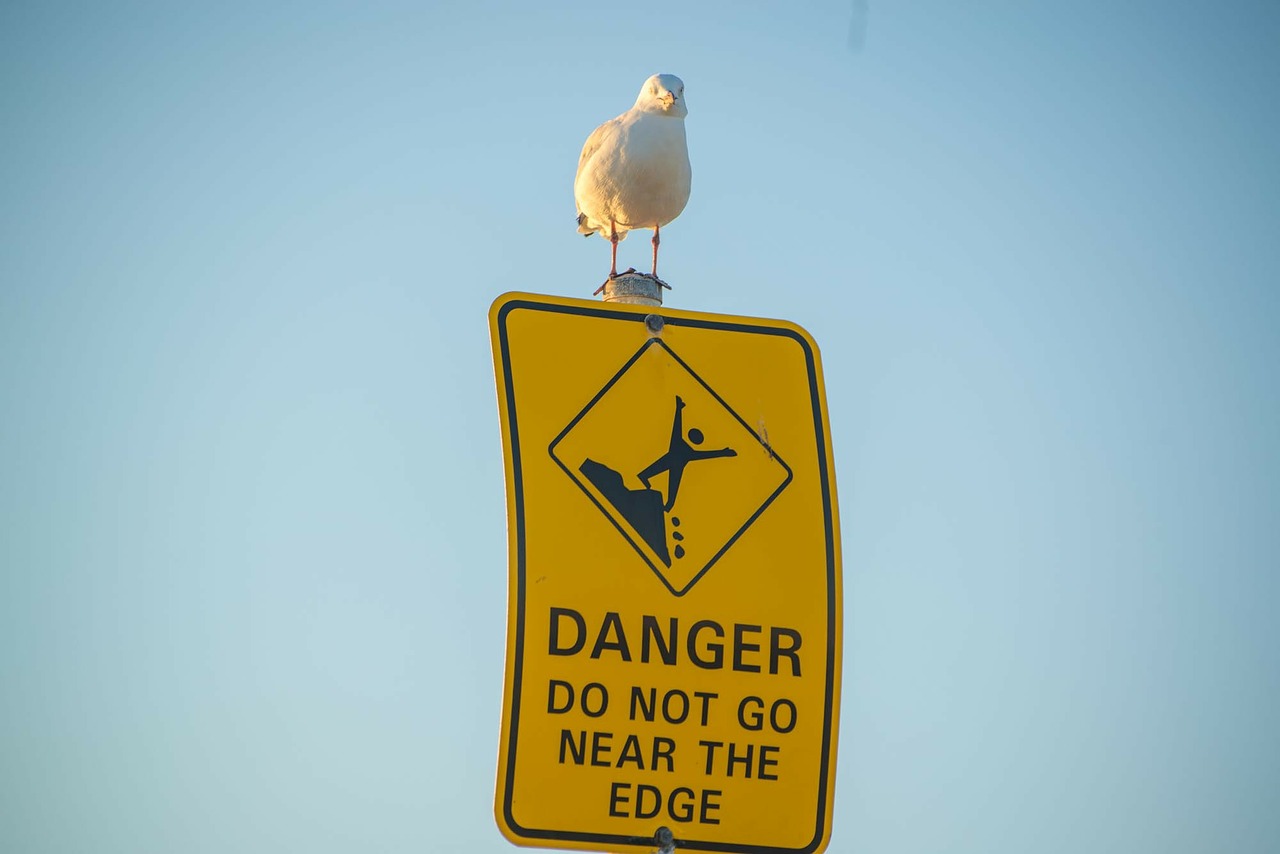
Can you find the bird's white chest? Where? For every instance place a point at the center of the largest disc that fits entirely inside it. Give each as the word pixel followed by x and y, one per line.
pixel 642 178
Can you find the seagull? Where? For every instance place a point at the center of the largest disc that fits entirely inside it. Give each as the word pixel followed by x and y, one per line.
pixel 634 170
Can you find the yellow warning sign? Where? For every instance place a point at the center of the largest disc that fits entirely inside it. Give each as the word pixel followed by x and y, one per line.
pixel 673 641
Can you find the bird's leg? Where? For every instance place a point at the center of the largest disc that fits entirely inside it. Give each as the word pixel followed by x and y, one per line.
pixel 613 238
pixel 613 260
pixel 655 251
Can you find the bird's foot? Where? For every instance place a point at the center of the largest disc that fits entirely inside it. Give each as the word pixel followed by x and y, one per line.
pixel 627 272
pixel 654 276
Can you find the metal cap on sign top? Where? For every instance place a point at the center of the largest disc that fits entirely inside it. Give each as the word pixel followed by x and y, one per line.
pixel 633 289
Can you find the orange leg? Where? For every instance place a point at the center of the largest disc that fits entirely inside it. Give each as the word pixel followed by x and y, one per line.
pixel 655 251
pixel 613 238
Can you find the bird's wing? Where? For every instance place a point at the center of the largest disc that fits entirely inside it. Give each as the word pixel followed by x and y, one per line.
pixel 593 143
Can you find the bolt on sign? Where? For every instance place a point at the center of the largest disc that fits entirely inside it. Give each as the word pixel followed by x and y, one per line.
pixel 674 619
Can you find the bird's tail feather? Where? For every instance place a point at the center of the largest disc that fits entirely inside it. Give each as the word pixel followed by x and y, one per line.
pixel 583 228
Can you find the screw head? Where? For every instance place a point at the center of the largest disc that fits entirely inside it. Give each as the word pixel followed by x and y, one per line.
pixel 654 323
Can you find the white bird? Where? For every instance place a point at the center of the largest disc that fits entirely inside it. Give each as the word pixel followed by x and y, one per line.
pixel 634 170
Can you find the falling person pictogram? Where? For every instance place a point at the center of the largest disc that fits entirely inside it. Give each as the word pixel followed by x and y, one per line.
pixel 679 454
pixel 645 508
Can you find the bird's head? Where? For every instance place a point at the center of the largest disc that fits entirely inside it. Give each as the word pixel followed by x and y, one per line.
pixel 663 93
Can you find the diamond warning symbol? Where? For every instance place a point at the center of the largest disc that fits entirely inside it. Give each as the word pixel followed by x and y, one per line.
pixel 672 466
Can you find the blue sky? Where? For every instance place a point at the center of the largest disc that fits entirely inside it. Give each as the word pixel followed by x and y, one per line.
pixel 252 556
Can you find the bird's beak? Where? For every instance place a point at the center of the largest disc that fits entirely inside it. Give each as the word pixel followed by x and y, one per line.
pixel 668 98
